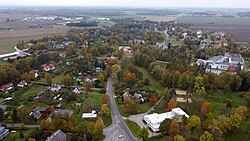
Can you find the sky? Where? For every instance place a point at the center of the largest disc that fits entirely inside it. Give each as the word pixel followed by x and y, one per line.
pixel 132 3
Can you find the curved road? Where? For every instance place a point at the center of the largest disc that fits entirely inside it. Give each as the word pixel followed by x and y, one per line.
pixel 118 126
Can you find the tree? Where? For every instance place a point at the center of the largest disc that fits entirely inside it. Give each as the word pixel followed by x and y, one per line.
pixel 68 80
pixel 97 132
pixel 14 115
pixel 48 78
pixel 194 123
pixel 236 120
pixel 179 138
pixel 22 114
pixel 206 136
pixel 101 77
pixel 131 106
pixel 105 109
pixel 174 129
pixel 105 99
pixel 21 135
pixel 153 100
pixel 171 104
pixel 26 76
pixel 32 76
pixel 1 114
pixel 205 108
pixel 164 126
pixel 87 87
pixel 241 111
pixel 143 134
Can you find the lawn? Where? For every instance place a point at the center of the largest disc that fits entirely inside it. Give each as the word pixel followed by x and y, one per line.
pixel 162 65
pixel 7 45
pixel 154 85
pixel 133 127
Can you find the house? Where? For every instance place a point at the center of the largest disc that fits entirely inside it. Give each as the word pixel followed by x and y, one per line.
pixel 57 136
pixel 89 115
pixel 58 106
pixel 36 114
pixel 205 43
pixel 126 96
pixel 90 79
pixel 63 54
pixel 8 99
pixel 98 69
pixel 64 113
pixel 78 90
pixel 154 120
pixel 3 132
pixel 37 73
pixel 42 110
pixel 54 88
pixel 3 107
pixel 22 84
pixel 49 67
pixel 138 97
pixel 199 34
pixel 218 64
pixel 184 35
pixel 7 87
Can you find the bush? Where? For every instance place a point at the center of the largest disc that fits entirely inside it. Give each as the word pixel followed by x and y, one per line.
pixel 228 102
pixel 146 82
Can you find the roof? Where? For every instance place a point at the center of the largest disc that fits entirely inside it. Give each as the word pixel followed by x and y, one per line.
pixel 57 136
pixel 22 82
pixel 216 58
pixel 236 57
pixel 89 115
pixel 3 107
pixel 64 112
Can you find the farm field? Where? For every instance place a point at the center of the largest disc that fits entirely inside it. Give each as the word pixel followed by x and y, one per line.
pixel 238 27
pixel 9 39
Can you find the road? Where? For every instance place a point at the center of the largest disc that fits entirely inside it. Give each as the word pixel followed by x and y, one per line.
pixel 118 126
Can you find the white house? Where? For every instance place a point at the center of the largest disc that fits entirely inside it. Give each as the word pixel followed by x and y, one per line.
pixel 55 88
pixel 154 120
pixel 78 90
pixel 22 84
pixel 89 115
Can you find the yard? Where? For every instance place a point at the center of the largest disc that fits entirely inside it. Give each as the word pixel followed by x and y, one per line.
pixel 133 127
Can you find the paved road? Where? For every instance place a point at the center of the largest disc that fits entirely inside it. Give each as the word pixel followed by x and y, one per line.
pixel 118 126
pixel 17 125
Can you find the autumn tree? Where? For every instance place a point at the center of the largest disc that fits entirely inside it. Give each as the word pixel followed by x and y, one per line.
pixel 206 136
pixel 153 100
pixel 179 138
pixel 241 111
pixel 205 108
pixel 32 76
pixel 171 104
pixel 22 114
pixel 105 109
pixel 174 129
pixel 164 126
pixel 194 123
pixel 105 99
pixel 235 120
pixel 25 76
pixel 143 134
pixel 101 77
pixel 1 114
pixel 14 115
pixel 131 106
pixel 48 78
pixel 87 87
pixel 97 132
pixel 67 80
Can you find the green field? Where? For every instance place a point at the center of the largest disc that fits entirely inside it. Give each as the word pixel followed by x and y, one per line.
pixel 7 45
pixel 133 127
pixel 215 20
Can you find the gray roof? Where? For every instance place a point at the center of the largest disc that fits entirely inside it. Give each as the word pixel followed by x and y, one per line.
pixel 3 107
pixel 236 57
pixel 57 136
pixel 216 58
pixel 63 112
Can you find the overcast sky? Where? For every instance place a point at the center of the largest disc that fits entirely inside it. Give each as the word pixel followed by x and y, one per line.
pixel 131 3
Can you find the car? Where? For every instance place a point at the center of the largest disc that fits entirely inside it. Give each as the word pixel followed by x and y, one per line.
pixel 120 136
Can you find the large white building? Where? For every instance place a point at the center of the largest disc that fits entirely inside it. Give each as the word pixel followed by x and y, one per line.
pixel 154 120
pixel 220 63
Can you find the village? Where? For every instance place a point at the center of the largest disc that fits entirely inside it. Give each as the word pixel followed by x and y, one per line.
pixel 143 74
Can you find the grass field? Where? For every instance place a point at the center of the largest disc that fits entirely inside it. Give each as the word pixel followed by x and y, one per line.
pixel 133 127
pixel 215 20
pixel 7 45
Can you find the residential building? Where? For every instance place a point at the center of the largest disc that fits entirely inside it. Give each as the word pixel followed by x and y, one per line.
pixel 7 87
pixel 54 88
pixel 89 115
pixel 64 113
pixel 49 67
pixel 154 120
pixel 3 132
pixel 57 136
pixel 78 90
pixel 42 110
pixel 22 84
pixel 36 114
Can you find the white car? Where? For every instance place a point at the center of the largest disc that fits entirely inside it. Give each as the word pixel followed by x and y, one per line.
pixel 120 136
